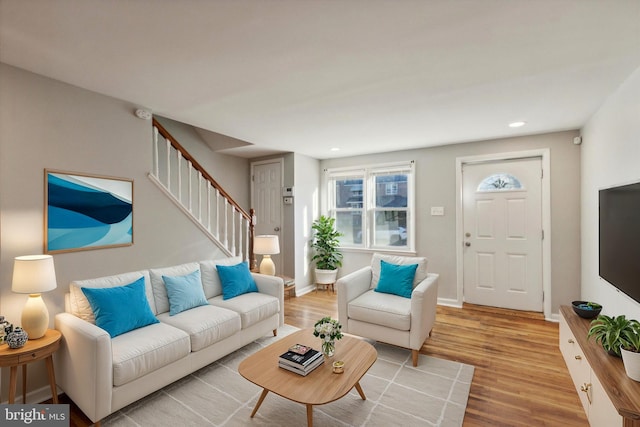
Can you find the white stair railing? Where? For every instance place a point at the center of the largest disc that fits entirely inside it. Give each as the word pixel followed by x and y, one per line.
pixel 219 217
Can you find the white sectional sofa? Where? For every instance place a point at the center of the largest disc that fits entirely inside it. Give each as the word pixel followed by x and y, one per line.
pixel 102 374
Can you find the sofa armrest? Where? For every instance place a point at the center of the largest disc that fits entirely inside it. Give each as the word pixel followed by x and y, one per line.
pixel 350 287
pixel 424 299
pixel 84 365
pixel 271 285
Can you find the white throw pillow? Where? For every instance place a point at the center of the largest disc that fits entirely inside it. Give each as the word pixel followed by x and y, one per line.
pixel 210 279
pixel 421 271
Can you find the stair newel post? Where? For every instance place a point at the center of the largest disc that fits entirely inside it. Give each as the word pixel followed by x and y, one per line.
pixel 253 262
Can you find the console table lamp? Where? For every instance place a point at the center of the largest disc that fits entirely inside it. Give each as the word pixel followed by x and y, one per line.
pixel 266 245
pixel 34 274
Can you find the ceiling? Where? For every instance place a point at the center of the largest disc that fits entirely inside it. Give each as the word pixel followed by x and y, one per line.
pixel 363 76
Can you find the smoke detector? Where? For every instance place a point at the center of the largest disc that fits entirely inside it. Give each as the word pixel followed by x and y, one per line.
pixel 143 114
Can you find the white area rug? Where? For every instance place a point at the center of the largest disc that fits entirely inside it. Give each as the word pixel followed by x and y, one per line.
pixel 433 394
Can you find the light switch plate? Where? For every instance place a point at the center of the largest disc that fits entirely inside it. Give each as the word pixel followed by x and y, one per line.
pixel 437 210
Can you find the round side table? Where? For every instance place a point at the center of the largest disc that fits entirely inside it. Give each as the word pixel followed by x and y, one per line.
pixel 32 351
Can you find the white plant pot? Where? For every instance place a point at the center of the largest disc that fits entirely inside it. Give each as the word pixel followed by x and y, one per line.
pixel 326 277
pixel 631 364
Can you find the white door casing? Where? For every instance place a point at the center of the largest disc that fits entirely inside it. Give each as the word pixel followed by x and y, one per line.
pixel 266 198
pixel 503 234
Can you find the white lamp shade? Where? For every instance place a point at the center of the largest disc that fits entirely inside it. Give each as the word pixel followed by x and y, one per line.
pixel 266 245
pixel 33 274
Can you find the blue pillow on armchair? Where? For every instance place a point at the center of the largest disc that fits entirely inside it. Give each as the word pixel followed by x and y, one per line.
pixel 396 279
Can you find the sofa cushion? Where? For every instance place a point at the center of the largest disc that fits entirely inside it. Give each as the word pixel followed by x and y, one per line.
pixel 205 325
pixel 159 289
pixel 421 271
pixel 396 279
pixel 144 350
pixel 210 278
pixel 381 309
pixel 184 292
pixel 120 309
pixel 252 307
pixel 236 280
pixel 79 304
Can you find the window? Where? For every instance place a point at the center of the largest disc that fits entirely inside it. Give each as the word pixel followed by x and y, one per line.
pixel 373 206
pixel 499 182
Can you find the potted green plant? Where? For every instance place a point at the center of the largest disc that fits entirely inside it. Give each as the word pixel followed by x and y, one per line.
pixel 630 351
pixel 613 332
pixel 326 244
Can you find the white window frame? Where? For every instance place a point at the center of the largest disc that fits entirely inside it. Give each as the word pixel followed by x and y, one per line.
pixel 369 210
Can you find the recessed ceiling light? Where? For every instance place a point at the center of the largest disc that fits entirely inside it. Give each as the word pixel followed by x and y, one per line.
pixel 517 124
pixel 335 149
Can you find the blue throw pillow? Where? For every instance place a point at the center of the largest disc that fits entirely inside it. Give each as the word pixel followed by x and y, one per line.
pixel 184 292
pixel 120 309
pixel 236 280
pixel 396 279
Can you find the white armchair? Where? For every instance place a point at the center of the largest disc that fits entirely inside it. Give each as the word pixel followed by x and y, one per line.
pixel 393 319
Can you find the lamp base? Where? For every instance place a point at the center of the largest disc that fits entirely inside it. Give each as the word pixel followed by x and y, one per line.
pixel 267 266
pixel 35 317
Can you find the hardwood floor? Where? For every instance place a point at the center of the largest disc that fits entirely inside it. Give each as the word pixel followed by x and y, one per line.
pixel 520 377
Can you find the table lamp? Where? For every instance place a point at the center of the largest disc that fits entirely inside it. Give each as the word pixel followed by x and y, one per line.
pixel 266 245
pixel 33 274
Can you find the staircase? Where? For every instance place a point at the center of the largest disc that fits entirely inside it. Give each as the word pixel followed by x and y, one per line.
pixel 200 197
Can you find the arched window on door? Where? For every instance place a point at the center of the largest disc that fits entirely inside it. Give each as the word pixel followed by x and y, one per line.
pixel 500 182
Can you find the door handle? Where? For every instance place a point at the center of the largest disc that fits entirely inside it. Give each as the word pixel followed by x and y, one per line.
pixel 467 244
pixel 276 229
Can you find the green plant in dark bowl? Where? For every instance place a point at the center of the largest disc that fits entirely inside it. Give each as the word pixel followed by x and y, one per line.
pixel 613 332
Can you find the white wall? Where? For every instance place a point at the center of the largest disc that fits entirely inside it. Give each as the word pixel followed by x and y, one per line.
pixel 48 124
pixel 307 180
pixel 436 186
pixel 610 156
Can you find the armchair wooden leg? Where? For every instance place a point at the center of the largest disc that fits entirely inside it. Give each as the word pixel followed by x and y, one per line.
pixel 414 357
pixel 275 332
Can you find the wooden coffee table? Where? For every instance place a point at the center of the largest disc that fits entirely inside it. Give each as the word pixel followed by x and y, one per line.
pixel 318 387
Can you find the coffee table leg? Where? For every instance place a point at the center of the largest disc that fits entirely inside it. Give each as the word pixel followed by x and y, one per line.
pixel 310 415
pixel 360 392
pixel 262 396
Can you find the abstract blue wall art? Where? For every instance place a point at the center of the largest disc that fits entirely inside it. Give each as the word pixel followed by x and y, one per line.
pixel 87 212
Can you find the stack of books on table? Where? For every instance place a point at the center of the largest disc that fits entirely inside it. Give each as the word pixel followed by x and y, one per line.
pixel 300 359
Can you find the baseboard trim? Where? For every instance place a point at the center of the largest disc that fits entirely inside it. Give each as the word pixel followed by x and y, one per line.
pixel 34 397
pixel 449 302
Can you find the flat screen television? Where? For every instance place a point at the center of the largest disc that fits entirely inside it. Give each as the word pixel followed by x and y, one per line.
pixel 619 233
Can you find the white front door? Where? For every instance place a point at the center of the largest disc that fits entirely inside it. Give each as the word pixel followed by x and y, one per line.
pixel 502 220
pixel 266 193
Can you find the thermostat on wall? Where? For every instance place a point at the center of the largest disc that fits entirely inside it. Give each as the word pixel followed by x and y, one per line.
pixel 287 192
